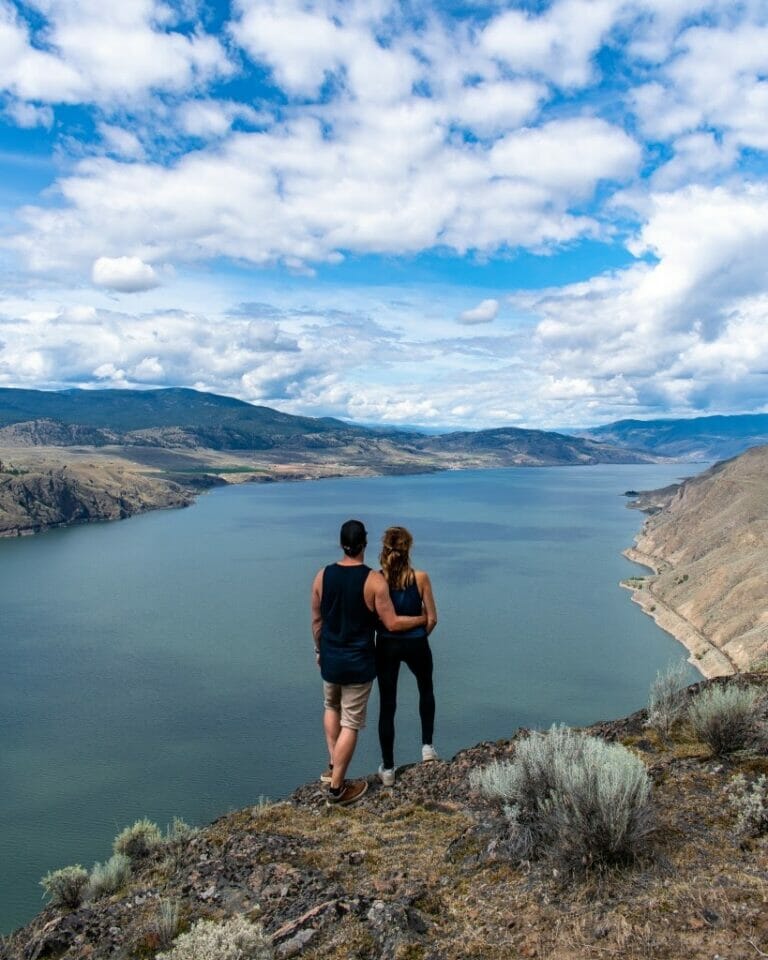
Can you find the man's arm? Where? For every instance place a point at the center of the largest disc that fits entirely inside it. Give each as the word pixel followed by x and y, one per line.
pixel 382 605
pixel 317 620
pixel 427 598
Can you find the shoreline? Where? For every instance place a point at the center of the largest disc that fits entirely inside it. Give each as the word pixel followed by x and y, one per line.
pixel 704 655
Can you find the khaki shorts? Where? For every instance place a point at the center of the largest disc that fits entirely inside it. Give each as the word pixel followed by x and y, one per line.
pixel 350 700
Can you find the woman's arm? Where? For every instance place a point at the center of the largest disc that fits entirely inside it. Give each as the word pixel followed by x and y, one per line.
pixel 427 598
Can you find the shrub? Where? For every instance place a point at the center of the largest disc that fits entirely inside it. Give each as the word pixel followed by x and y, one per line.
pixel 571 797
pixel 726 718
pixel 179 832
pixel 666 700
pixel 66 887
pixel 138 841
pixel 750 803
pixel 235 939
pixel 167 922
pixel 108 877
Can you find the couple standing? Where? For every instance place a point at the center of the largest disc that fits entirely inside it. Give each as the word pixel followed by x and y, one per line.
pixel 350 604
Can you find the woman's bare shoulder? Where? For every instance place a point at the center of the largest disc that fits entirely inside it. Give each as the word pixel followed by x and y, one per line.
pixel 421 576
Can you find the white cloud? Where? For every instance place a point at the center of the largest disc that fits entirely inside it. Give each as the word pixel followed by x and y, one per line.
pixel 126 274
pixel 28 115
pixel 121 142
pixel 102 53
pixel 559 44
pixel 493 108
pixel 484 312
pixel 391 181
pixel 681 330
pixel 214 118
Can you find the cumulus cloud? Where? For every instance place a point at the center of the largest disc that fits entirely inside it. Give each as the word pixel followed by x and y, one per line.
pixel 214 118
pixel 683 330
pixel 121 142
pixel 391 182
pixel 102 53
pixel 484 312
pixel 382 133
pixel 125 274
pixel 28 115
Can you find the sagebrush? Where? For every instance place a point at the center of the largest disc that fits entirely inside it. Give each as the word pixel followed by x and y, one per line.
pixel 167 922
pixel 571 797
pixel 750 803
pixel 726 718
pixel 139 840
pixel 108 877
pixel 66 887
pixel 667 698
pixel 235 939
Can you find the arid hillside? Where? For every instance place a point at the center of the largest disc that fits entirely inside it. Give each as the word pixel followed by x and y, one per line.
pixel 707 541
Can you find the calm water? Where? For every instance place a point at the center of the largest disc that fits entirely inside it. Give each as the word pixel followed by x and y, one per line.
pixel 163 666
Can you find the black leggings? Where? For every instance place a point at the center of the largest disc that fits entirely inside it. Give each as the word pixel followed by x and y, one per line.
pixel 416 655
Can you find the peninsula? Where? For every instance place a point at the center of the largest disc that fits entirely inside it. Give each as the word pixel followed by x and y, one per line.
pixel 706 541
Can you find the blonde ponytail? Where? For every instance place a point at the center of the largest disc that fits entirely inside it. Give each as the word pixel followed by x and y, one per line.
pixel 395 558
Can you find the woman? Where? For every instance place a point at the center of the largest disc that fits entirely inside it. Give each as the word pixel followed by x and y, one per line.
pixel 410 591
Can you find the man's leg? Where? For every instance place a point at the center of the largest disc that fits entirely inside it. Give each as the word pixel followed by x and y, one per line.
pixel 331 722
pixel 346 742
pixel 354 701
pixel 332 727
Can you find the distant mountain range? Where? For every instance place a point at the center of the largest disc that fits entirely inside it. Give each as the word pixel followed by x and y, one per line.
pixel 700 438
pixel 187 419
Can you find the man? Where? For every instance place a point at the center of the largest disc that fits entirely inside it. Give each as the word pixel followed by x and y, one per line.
pixel 347 599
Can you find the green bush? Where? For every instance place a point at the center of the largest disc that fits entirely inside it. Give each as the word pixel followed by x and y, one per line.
pixel 106 878
pixel 138 841
pixel 726 718
pixel 571 797
pixel 666 700
pixel 66 887
pixel 235 939
pixel 750 803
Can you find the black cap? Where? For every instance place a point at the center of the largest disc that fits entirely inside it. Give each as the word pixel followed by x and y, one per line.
pixel 353 537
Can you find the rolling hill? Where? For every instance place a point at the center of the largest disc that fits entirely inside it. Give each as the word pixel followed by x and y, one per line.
pixel 700 438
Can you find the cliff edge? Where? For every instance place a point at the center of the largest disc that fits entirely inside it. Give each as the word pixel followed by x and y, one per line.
pixel 420 872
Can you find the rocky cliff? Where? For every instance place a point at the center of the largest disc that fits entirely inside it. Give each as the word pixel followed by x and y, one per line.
pixel 37 498
pixel 420 872
pixel 707 541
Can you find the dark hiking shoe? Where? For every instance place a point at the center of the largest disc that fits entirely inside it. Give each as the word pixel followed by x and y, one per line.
pixel 351 792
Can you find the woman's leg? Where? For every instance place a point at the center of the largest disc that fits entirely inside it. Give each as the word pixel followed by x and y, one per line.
pixel 387 671
pixel 419 660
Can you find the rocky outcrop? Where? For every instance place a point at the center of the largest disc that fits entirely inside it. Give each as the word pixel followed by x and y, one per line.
pixel 707 542
pixel 419 872
pixel 35 500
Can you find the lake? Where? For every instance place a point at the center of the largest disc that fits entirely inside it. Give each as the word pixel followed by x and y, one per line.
pixel 163 666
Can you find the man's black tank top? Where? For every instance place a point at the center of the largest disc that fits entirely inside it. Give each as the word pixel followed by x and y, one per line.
pixel 347 653
pixel 407 603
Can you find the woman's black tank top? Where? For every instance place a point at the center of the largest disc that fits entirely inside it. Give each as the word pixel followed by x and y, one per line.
pixel 347 653
pixel 407 603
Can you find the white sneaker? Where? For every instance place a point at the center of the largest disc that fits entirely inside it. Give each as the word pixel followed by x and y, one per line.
pixel 428 753
pixel 387 777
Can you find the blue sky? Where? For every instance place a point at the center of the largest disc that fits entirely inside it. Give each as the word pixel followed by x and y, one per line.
pixel 470 214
